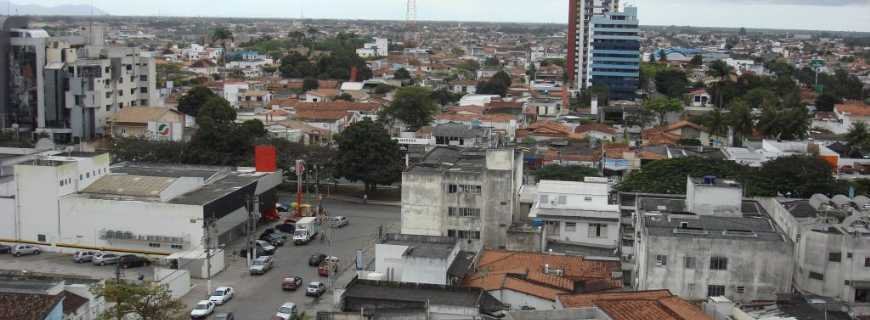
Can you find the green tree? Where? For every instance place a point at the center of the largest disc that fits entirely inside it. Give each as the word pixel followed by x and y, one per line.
pixel 192 100
pixel 383 88
pixel 148 301
pixel 457 52
pixel 858 137
pixel 344 96
pixel 491 62
pixel 720 70
pixel 445 97
pixel 787 124
pixel 697 60
pixel 741 119
pixel 310 84
pixel 671 82
pixel 662 106
pixel 716 122
pixel 367 153
pixel 598 90
pixel 413 106
pixel 498 84
pixel 797 176
pixel 565 173
pixel 663 57
pixel 669 176
pixel 215 111
pixel 761 97
pixel 826 102
pixel 402 74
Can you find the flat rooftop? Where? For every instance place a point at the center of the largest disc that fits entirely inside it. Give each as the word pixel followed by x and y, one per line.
pixel 454 159
pixel 422 246
pixel 422 293
pixel 129 186
pixel 713 227
pixel 218 189
pixel 169 170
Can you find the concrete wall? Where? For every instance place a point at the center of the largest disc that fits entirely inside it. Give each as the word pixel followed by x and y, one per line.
pixel 610 238
pixel 500 193
pixel 425 270
pixel 713 200
pixel 519 299
pixel 388 260
pixel 83 220
pixel 422 194
pixel 7 218
pixel 763 268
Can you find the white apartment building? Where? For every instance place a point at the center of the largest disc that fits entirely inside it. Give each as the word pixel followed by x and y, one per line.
pixel 578 216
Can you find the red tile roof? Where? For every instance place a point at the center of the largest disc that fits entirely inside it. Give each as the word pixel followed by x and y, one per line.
pixel 600 127
pixel 339 105
pixel 320 115
pixel 636 305
pixel 853 108
pixel 524 272
pixel 24 306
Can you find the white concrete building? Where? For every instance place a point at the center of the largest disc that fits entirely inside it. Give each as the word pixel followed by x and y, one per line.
pixel 76 201
pixel 831 247
pixel 725 247
pixel 578 216
pixel 466 194
pixel 420 259
pixel 379 48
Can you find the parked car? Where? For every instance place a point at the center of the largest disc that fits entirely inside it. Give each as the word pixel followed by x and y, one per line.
pixel 287 311
pixel 133 261
pixel 102 259
pixel 291 283
pixel 224 316
pixel 83 256
pixel 273 238
pixel 847 169
pixel 316 259
pixel 315 289
pixel 203 309
pixel 24 250
pixel 261 265
pixel 5 249
pixel 222 295
pixel 287 228
pixel 267 248
pixel 282 207
pixel 326 268
pixel 338 221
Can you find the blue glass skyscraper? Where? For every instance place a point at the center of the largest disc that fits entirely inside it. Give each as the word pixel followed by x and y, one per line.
pixel 614 53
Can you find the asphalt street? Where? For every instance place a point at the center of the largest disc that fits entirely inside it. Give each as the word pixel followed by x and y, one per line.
pixel 258 297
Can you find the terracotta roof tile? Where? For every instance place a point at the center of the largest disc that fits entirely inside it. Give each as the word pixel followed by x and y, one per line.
pixel 635 310
pixel 139 114
pixel 637 305
pixel 315 115
pixel 24 306
pixel 600 127
pixel 588 299
pixel 854 108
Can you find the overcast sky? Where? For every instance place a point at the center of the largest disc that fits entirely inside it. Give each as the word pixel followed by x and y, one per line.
pixel 849 15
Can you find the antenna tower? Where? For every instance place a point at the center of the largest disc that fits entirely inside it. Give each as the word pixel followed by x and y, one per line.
pixel 411 15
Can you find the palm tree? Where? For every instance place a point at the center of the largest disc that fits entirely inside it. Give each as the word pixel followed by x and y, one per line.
pixel 221 34
pixel 769 123
pixel 716 122
pixel 720 70
pixel 740 119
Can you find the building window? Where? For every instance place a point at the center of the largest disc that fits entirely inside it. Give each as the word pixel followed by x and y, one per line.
pixel 570 226
pixel 835 256
pixel 108 94
pixel 862 295
pixel 661 260
pixel 154 245
pixel 463 212
pixel 176 246
pixel 741 289
pixel 475 235
pixel 718 263
pixel 545 198
pixel 143 90
pixel 452 188
pixel 563 199
pixel 867 262
pixel 715 291
pixel 467 188
pixel 689 262
pixel 40 237
pixel 451 233
pixel 587 198
pixel 597 230
pixel 817 276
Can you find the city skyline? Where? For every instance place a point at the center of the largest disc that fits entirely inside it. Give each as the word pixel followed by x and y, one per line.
pixel 773 14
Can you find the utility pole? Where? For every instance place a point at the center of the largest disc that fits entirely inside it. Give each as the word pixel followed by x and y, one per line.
pixel 300 170
pixel 208 251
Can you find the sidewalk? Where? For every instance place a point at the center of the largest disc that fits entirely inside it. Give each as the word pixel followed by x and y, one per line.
pixel 359 200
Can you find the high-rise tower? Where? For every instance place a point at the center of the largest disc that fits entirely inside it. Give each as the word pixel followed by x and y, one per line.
pixel 580 13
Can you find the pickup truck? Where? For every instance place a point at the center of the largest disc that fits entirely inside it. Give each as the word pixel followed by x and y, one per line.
pixel 306 230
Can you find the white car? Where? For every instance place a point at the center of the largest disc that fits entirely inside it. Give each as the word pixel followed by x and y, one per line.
pixel 338 221
pixel 202 310
pixel 287 311
pixel 222 295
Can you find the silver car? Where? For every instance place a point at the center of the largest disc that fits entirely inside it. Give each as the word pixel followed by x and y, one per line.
pixel 84 256
pixel 261 265
pixel 102 259
pixel 24 250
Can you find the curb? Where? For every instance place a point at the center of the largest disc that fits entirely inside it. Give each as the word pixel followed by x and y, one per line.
pixel 360 201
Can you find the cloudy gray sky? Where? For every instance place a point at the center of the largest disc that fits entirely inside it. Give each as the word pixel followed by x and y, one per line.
pixel 850 15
